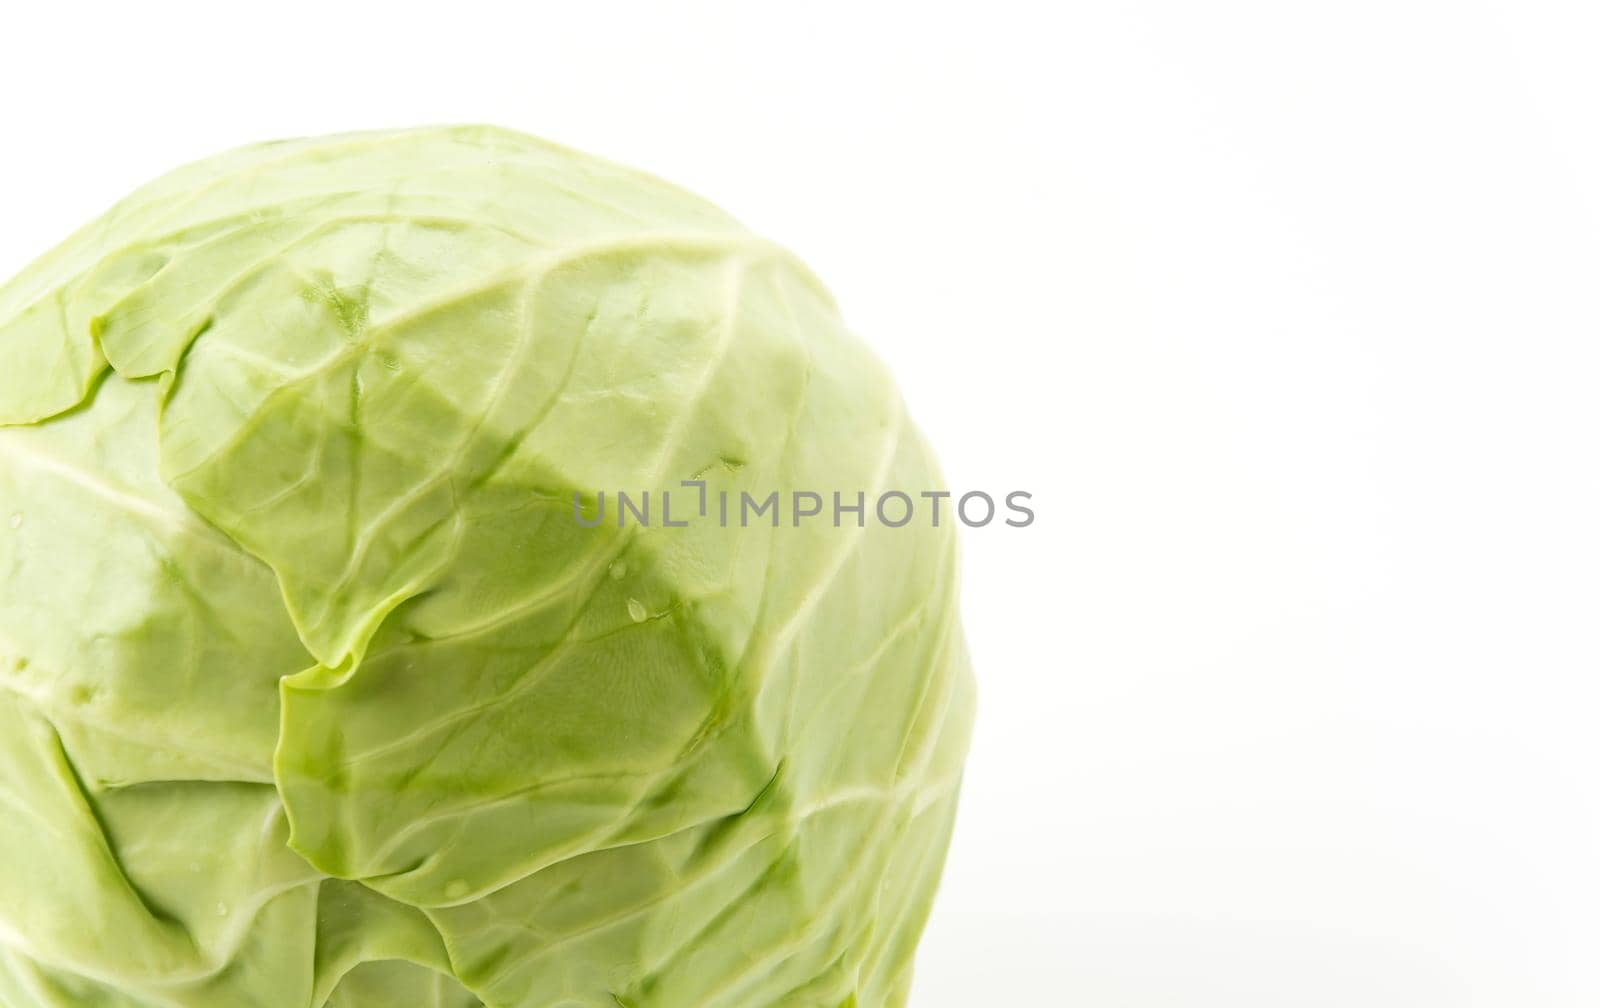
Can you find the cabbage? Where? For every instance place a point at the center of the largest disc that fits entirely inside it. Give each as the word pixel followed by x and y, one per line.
pixel 312 690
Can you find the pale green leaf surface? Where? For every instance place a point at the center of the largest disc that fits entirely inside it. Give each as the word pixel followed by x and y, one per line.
pixel 314 693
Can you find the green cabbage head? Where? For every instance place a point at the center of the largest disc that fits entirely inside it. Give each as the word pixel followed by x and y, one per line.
pixel 313 692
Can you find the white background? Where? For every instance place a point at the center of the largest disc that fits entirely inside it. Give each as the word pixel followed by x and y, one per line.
pixel 1285 312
